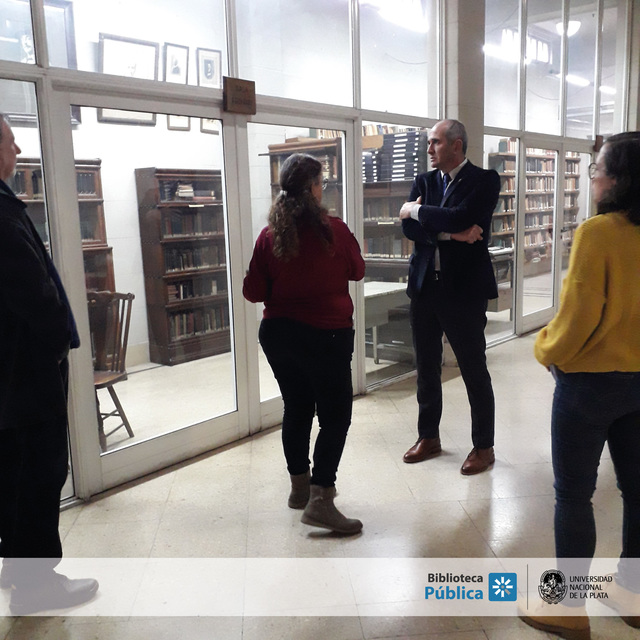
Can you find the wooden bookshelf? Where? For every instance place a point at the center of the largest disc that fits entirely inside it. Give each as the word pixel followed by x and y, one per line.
pixel 28 185
pixel 181 217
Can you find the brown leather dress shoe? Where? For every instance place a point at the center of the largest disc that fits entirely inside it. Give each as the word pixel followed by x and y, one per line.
pixel 477 461
pixel 423 449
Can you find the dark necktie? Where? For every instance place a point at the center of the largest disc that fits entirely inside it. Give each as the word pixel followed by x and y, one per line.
pixel 446 179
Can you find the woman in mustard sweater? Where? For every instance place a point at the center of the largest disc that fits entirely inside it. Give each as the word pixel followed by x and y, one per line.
pixel 592 347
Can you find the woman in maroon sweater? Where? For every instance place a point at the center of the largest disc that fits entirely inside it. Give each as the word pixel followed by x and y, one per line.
pixel 301 266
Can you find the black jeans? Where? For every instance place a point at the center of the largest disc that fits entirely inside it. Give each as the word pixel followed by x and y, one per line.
pixel 463 319
pixel 313 370
pixel 589 410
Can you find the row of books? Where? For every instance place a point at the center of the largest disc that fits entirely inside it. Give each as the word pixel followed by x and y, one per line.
pixel 508 185
pixel 171 190
pixel 540 165
pixel 18 183
pixel 184 259
pixel 503 242
pixel 381 129
pixel 537 221
pixel 86 182
pixel 502 224
pixel 572 166
pixel 538 202
pixel 504 165
pixel 385 209
pixel 387 247
pixel 88 229
pixel 508 145
pixel 198 322
pixel 537 239
pixel 400 157
pixel 193 288
pixel 506 204
pixel 540 183
pixel 192 222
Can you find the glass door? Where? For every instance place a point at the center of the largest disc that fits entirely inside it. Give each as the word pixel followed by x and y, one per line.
pixel 153 222
pixel 146 193
pixel 541 194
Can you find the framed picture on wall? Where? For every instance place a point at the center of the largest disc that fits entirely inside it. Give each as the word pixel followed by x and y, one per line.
pixel 176 63
pixel 178 123
pixel 131 58
pixel 209 68
pixel 128 57
pixel 209 125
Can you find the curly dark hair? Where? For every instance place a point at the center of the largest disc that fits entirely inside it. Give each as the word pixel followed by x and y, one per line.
pixel 622 162
pixel 295 207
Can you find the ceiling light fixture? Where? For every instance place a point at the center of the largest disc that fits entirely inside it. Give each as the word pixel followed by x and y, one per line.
pixel 572 28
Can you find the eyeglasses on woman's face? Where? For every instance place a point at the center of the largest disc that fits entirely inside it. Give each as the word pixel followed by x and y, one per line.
pixel 325 182
pixel 593 167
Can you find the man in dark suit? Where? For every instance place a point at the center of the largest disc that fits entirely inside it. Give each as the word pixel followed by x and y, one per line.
pixel 450 281
pixel 36 332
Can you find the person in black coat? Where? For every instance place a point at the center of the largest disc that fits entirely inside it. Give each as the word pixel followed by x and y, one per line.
pixel 450 281
pixel 36 332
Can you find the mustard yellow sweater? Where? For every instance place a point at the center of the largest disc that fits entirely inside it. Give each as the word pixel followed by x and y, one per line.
pixel 597 327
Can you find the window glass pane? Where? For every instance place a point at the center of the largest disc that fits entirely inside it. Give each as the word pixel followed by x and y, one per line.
pixel 582 32
pixel 539 223
pixel 140 38
pixel 543 65
pixel 16 32
pixel 153 222
pixel 28 183
pixel 398 49
pixel 392 157
pixel 501 60
pixel 297 49
pixel 612 80
pixel 269 147
pixel 502 155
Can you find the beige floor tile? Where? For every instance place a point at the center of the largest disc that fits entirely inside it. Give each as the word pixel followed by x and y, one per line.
pixel 295 628
pixel 508 517
pixel 378 627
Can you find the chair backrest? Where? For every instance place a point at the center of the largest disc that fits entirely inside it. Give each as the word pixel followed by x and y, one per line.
pixel 109 320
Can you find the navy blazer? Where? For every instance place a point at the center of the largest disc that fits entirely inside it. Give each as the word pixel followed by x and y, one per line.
pixel 35 332
pixel 470 199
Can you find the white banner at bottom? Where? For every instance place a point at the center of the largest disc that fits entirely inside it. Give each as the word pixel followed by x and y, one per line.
pixel 345 586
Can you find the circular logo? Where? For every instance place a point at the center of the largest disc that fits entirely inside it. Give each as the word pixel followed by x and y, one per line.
pixel 552 587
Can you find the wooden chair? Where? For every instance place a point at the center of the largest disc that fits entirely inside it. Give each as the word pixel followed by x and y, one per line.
pixel 109 320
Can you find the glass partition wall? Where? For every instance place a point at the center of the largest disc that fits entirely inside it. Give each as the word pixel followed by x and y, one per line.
pixel 153 224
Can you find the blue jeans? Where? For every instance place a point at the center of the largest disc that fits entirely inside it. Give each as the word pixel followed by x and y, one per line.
pixel 313 370
pixel 590 409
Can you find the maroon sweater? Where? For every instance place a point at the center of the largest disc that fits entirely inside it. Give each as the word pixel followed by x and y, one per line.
pixel 313 287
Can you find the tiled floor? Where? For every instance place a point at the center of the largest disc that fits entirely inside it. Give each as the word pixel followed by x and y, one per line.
pixel 232 503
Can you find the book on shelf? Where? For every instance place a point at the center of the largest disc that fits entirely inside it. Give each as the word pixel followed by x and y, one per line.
pixel 186 259
pixel 508 145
